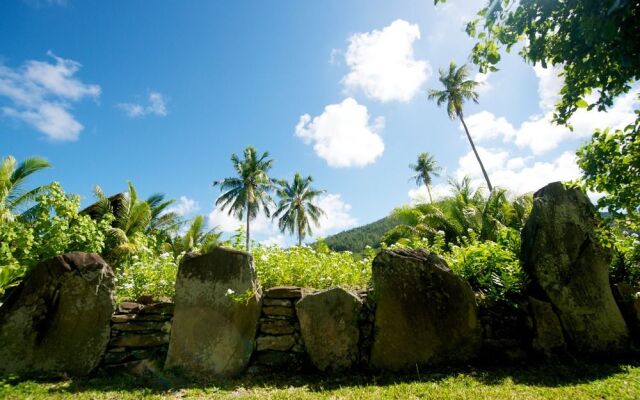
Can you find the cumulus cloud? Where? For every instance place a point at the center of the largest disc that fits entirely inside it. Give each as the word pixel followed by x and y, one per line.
pixel 382 63
pixel 156 105
pixel 184 206
pixel 337 215
pixel 519 175
pixel 342 134
pixel 483 80
pixel 42 93
pixel 421 195
pixel 222 220
pixel 538 133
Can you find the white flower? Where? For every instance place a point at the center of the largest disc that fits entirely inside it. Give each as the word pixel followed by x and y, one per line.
pixel 230 292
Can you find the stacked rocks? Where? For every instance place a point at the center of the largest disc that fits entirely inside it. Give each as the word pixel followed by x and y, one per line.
pixel 278 342
pixel 139 332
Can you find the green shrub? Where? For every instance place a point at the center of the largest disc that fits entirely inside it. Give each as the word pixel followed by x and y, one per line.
pixel 51 227
pixel 145 271
pixel 306 267
pixel 491 268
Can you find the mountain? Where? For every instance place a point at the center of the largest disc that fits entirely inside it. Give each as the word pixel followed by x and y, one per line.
pixel 356 239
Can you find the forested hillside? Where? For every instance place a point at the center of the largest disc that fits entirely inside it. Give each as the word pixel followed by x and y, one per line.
pixel 356 239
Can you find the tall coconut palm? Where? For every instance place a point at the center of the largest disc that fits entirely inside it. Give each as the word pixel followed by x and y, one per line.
pixel 457 89
pixel 425 168
pixel 13 176
pixel 196 237
pixel 296 211
pixel 248 193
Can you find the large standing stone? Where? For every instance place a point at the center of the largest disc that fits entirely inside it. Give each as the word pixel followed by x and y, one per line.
pixel 561 253
pixel 57 320
pixel 329 327
pixel 213 332
pixel 548 339
pixel 424 313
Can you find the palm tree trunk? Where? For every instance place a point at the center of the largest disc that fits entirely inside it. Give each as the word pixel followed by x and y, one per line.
pixel 429 191
pixel 248 238
pixel 473 146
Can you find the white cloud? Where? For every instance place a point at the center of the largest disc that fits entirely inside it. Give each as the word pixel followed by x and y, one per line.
pixel 276 240
pixel 342 135
pixel 485 126
pixel 382 63
pixel 538 133
pixel 483 80
pixel 549 84
pixel 41 94
pixel 156 105
pixel 222 220
pixel 421 195
pixel 492 159
pixel 45 3
pixel 518 174
pixel 337 215
pixel 184 206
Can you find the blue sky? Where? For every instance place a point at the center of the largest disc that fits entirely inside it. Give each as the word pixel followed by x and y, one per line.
pixel 161 93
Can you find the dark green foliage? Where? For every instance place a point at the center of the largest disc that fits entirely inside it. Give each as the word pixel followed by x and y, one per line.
pixel 597 42
pixel 356 239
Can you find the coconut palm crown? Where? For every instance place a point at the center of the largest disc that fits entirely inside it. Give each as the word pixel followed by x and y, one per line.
pixel 425 168
pixel 13 176
pixel 248 193
pixel 296 210
pixel 458 88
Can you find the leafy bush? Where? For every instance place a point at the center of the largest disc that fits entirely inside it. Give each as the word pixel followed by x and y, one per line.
pixel 491 268
pixel 51 227
pixel 145 271
pixel 306 267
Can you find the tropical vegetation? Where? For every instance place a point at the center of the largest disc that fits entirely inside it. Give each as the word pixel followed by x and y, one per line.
pixel 458 88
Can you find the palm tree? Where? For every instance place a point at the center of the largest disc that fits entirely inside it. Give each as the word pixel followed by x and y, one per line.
pixel 296 210
pixel 131 216
pixel 13 176
pixel 248 193
pixel 164 222
pixel 457 89
pixel 425 168
pixel 196 237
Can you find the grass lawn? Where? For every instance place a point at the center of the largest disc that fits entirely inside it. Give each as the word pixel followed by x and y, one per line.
pixel 583 381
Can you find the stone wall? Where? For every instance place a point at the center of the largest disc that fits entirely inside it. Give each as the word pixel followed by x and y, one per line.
pixel 139 333
pixel 417 313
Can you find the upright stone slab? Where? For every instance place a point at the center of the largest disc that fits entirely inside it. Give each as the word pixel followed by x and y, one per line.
pixel 56 322
pixel 329 327
pixel 213 332
pixel 548 339
pixel 561 253
pixel 425 314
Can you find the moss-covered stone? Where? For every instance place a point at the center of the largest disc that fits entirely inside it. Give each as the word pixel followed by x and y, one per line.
pixel 562 254
pixel 56 322
pixel 213 332
pixel 425 314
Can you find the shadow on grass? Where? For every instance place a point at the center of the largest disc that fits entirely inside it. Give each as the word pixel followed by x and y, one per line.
pixel 541 375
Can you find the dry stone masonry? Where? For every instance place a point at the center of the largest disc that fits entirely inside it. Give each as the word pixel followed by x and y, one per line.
pixel 60 320
pixel 278 342
pixel 139 333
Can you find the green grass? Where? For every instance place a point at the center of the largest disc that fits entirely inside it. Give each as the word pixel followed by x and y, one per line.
pixel 584 381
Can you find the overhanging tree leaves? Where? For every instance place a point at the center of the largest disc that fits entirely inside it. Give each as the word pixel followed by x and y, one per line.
pixel 596 42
